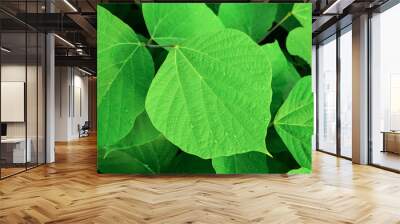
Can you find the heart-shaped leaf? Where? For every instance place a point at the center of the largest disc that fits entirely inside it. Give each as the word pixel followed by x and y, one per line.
pixel 155 155
pixel 294 121
pixel 299 43
pixel 171 23
pixel 253 19
pixel 284 76
pixel 124 76
pixel 210 97
pixel 250 162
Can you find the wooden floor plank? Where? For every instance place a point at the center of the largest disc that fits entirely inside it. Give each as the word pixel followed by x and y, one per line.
pixel 70 191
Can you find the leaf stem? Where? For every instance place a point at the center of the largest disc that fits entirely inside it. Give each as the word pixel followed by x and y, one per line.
pixel 158 46
pixel 289 14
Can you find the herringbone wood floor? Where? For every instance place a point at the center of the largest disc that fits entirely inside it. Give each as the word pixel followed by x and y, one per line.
pixel 70 191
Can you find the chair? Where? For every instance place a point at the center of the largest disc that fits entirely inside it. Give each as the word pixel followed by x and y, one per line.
pixel 84 130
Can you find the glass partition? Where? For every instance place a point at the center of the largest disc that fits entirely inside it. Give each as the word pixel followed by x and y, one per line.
pixel 14 153
pixel 22 78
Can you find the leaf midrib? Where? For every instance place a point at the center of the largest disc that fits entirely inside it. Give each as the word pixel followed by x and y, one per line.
pixel 203 80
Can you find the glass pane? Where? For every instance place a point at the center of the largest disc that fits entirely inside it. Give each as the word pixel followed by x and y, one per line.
pixel 327 96
pixel 346 94
pixel 31 97
pixel 385 86
pixel 13 88
pixel 41 99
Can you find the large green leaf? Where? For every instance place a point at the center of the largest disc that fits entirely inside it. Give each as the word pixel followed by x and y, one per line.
pixel 171 23
pixel 124 76
pixel 250 162
pixel 185 163
pixel 210 97
pixel 253 19
pixel 303 13
pixel 142 132
pixel 299 43
pixel 155 155
pixel 294 122
pixel 284 76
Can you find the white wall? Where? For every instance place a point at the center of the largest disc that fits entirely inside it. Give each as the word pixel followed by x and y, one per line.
pixel 71 94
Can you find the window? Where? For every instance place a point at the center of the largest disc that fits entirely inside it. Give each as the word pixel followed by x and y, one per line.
pixel 346 92
pixel 327 96
pixel 385 89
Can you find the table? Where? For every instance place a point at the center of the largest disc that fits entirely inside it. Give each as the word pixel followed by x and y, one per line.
pixel 391 141
pixel 19 155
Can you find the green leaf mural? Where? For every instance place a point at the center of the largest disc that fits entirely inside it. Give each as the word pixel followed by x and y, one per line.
pixel 125 73
pixel 171 23
pixel 196 88
pixel 253 19
pixel 294 121
pixel 216 119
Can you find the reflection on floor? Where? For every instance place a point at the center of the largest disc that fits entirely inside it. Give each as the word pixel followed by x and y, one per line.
pixel 8 170
pixel 386 159
pixel 70 191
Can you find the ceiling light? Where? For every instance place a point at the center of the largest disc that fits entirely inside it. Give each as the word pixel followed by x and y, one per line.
pixel 65 41
pixel 84 71
pixel 70 5
pixel 5 50
pixel 337 7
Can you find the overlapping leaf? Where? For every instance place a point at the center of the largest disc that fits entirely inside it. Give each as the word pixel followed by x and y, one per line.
pixel 299 43
pixel 124 76
pixel 302 12
pixel 252 19
pixel 294 122
pixel 299 40
pixel 185 163
pixel 155 156
pixel 250 162
pixel 301 170
pixel 284 76
pixel 171 23
pixel 210 96
pixel 142 132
